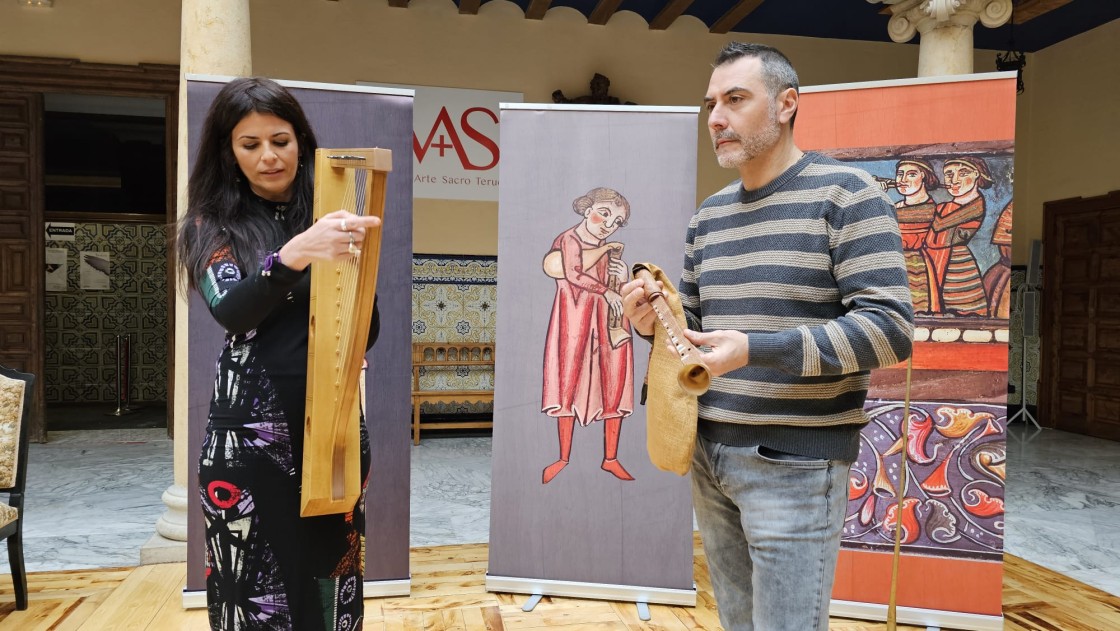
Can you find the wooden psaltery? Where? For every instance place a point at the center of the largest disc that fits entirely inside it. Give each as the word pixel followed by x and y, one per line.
pixel 341 307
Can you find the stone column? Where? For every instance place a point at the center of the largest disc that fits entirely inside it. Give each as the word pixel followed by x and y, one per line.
pixel 946 30
pixel 214 39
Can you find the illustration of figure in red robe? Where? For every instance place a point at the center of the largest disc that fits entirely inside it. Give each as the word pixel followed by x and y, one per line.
pixel 588 353
pixel 914 178
pixel 958 286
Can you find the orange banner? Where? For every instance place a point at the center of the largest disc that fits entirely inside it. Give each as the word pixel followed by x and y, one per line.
pixel 943 152
pixel 925 113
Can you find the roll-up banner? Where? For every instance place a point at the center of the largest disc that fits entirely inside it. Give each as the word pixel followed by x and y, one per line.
pixel 943 151
pixel 342 116
pixel 455 139
pixel 577 508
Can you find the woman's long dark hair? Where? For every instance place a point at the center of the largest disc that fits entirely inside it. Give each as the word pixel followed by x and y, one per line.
pixel 220 211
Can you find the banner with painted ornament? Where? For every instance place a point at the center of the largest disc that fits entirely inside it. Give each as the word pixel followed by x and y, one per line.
pixel 455 141
pixel 943 151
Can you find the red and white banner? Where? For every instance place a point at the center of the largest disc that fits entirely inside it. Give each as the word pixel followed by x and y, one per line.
pixel 455 149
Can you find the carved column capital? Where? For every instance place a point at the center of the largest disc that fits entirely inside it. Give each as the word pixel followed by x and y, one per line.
pixel 910 17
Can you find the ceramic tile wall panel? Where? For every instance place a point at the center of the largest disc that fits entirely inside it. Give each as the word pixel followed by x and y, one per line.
pixel 82 325
pixel 454 299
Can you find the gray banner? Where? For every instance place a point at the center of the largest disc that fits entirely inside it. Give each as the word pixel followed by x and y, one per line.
pixel 586 524
pixel 341 118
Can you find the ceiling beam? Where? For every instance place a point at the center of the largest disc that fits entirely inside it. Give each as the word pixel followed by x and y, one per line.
pixel 537 9
pixel 403 4
pixel 669 14
pixel 469 7
pixel 603 11
pixel 735 15
pixel 1027 10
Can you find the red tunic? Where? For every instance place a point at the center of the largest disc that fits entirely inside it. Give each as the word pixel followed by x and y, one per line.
pixel 584 376
pixel 913 223
pixel 958 287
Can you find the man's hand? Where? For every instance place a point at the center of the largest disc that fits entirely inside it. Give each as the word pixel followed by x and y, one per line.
pixel 729 349
pixel 636 305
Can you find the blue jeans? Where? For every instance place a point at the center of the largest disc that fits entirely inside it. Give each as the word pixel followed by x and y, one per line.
pixel 771 526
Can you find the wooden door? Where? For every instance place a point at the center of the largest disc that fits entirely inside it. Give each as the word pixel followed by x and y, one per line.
pixel 21 242
pixel 1080 380
pixel 23 80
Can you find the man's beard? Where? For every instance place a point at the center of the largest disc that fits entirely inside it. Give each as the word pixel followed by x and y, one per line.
pixel 750 147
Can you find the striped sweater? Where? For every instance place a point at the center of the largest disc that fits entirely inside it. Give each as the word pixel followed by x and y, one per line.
pixel 810 267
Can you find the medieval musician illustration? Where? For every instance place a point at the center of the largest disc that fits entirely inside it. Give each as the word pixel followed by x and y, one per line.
pixel 945 275
pixel 588 355
pixel 914 180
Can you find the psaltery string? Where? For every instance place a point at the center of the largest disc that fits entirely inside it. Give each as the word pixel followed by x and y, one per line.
pixel 346 293
pixel 347 282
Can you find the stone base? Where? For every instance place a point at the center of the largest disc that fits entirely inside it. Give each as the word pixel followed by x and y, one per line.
pixel 160 549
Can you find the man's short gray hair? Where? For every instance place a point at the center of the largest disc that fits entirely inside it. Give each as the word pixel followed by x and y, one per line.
pixel 777 71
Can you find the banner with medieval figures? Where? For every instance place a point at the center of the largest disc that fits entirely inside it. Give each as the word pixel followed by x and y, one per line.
pixel 931 464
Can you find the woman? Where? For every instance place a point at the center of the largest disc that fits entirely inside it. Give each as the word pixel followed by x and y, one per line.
pixel 588 354
pixel 913 179
pixel 958 286
pixel 245 244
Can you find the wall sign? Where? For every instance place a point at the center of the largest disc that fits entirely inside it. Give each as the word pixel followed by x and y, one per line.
pixel 57 231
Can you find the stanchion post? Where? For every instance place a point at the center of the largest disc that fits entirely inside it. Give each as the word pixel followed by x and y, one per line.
pixel 124 365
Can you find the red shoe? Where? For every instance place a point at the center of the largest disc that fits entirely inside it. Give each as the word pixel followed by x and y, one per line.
pixel 551 470
pixel 614 467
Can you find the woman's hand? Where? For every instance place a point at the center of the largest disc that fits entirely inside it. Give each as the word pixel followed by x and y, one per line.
pixel 729 349
pixel 334 236
pixel 637 307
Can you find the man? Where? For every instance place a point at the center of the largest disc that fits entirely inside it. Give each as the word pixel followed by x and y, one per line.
pixel 795 281
pixel 914 178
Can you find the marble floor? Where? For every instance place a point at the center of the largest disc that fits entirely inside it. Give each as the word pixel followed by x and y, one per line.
pixel 93 498
pixel 1063 504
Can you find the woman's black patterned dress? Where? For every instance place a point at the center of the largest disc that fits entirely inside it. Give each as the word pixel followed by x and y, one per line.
pixel 266 567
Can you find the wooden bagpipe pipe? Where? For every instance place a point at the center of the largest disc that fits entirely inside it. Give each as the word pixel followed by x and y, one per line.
pixel 342 294
pixel 692 373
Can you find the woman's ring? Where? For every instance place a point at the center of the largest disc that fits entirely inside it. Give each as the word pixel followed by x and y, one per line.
pixel 343 226
pixel 352 249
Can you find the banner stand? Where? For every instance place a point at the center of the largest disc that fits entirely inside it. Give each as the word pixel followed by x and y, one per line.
pixel 586 190
pixel 930 618
pixel 340 116
pixel 196 598
pixel 929 482
pixel 594 591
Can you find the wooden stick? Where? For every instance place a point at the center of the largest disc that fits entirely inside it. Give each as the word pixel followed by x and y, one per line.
pixel 904 431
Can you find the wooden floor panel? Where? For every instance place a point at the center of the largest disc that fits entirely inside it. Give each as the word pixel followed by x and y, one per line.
pixel 448 594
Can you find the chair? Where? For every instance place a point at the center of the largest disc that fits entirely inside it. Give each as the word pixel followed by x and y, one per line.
pixel 15 403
